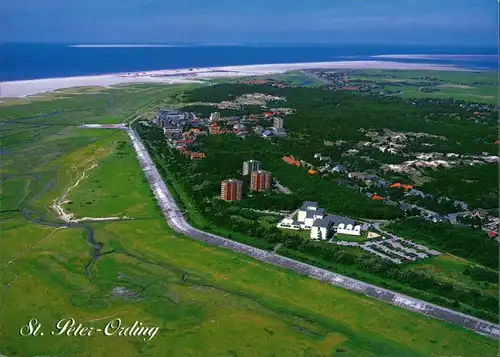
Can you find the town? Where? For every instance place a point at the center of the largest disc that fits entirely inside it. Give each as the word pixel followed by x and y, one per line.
pixel 181 130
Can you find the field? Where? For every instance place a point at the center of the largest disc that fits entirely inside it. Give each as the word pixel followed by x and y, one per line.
pixel 481 87
pixel 206 301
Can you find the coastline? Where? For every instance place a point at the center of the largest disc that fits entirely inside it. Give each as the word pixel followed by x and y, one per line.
pixel 24 88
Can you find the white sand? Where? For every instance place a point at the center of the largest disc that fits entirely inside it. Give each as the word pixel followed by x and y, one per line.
pixel 17 89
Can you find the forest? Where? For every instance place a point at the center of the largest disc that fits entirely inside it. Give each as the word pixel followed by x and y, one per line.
pixel 334 115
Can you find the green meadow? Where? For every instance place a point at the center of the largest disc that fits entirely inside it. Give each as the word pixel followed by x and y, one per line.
pixel 470 86
pixel 206 301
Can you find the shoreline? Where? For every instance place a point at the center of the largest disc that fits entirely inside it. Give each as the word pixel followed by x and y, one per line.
pixel 24 88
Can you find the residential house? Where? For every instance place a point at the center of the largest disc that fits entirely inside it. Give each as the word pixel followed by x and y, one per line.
pixel 400 185
pixel 267 133
pixel 414 192
pixel 197 155
pixel 291 161
pixel 381 183
pixel 214 129
pixel 438 219
pixel 339 169
pixel 362 176
pixel 479 213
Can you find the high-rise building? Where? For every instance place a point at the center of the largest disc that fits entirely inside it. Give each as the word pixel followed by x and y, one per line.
pixel 260 180
pixel 278 123
pixel 215 117
pixel 230 190
pixel 250 166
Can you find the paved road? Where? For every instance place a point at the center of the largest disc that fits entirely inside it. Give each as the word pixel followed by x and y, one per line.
pixel 177 221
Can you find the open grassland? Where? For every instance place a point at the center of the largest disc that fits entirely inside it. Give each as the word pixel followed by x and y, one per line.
pixel 473 86
pixel 206 301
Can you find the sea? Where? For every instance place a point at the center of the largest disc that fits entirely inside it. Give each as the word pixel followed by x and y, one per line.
pixel 23 61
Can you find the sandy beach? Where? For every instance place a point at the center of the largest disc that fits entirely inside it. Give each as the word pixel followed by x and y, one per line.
pixel 19 89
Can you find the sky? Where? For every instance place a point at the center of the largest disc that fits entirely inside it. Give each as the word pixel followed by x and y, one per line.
pixel 437 22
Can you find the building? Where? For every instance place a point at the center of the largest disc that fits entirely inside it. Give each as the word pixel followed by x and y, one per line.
pixel 309 213
pixel 215 117
pixel 289 223
pixel 349 229
pixel 260 180
pixel 311 217
pixel 267 133
pixel 230 190
pixel 291 161
pixel 321 228
pixel 197 155
pixel 278 123
pixel 250 166
pixel 214 129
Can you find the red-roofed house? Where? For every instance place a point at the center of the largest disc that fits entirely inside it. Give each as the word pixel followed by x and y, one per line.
pixel 268 114
pixel 214 129
pixel 184 142
pixel 197 155
pixel 492 234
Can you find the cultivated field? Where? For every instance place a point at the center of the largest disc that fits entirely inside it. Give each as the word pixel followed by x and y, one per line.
pixel 206 301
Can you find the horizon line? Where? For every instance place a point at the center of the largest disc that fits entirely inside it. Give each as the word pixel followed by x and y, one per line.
pixel 270 43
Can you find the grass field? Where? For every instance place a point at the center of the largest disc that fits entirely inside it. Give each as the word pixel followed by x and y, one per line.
pixel 206 301
pixel 473 86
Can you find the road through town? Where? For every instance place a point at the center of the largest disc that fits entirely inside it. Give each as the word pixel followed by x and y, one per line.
pixel 177 221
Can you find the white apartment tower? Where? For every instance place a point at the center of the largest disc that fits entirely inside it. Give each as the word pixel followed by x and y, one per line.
pixel 215 117
pixel 250 166
pixel 278 123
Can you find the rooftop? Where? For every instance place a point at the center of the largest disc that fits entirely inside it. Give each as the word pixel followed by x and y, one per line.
pixel 310 203
pixel 336 220
pixel 323 223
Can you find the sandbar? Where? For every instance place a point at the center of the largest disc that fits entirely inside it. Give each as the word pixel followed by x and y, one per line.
pixel 464 57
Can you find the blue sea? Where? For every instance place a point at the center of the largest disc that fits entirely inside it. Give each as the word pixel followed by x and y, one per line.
pixel 43 60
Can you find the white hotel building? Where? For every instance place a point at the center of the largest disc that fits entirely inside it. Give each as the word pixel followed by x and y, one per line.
pixel 313 218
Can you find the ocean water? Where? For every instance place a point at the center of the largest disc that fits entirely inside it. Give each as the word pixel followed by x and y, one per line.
pixel 36 60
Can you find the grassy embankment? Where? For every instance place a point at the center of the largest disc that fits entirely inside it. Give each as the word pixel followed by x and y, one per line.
pixel 206 301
